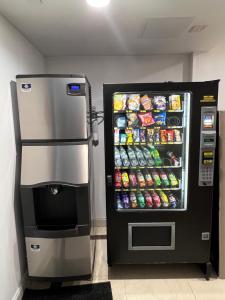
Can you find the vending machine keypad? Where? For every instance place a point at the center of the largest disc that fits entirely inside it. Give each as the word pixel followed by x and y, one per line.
pixel 207 146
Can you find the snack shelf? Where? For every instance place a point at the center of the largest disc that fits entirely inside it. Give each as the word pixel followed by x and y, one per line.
pixel 148 167
pixel 148 189
pixel 144 111
pixel 151 126
pixel 153 143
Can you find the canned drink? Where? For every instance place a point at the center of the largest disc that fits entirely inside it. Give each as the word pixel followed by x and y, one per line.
pixel 156 200
pixel 133 200
pixel 164 199
pixel 148 200
pixel 125 200
pixel 172 200
pixel 140 200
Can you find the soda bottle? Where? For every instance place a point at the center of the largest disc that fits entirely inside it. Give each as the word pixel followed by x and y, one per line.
pixel 173 180
pixel 141 180
pixel 140 157
pixel 125 200
pixel 133 200
pixel 140 200
pixel 148 156
pixel 148 179
pixel 118 179
pixel 156 178
pixel 164 199
pixel 118 201
pixel 118 161
pixel 125 179
pixel 174 160
pixel 124 157
pixel 132 157
pixel 148 200
pixel 172 200
pixel 156 200
pixel 155 154
pixel 133 179
pixel 164 178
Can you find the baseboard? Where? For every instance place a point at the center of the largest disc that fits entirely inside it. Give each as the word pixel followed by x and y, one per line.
pixel 19 292
pixel 100 222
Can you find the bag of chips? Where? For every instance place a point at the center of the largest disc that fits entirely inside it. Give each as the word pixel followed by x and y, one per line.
pixel 119 101
pixel 121 122
pixel 150 135
pixel 133 102
pixel 160 102
pixel 160 118
pixel 146 119
pixel 136 135
pixel 142 135
pixel 132 119
pixel 146 102
pixel 129 134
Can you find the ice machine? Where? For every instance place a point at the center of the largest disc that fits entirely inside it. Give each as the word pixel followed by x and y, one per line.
pixel 56 174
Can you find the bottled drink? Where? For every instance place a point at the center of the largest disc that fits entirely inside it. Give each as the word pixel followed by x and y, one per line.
pixel 125 200
pixel 148 200
pixel 118 161
pixel 118 201
pixel 172 200
pixel 141 180
pixel 155 154
pixel 140 157
pixel 164 199
pixel 124 157
pixel 164 178
pixel 125 179
pixel 174 160
pixel 140 200
pixel 156 178
pixel 156 200
pixel 148 179
pixel 132 157
pixel 133 179
pixel 133 200
pixel 148 157
pixel 173 180
pixel 118 179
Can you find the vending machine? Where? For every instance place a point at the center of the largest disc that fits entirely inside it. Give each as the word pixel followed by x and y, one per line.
pixel 160 142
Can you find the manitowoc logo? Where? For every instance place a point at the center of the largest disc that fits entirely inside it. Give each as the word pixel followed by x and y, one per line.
pixel 26 87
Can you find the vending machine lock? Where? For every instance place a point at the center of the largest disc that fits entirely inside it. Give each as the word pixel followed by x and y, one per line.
pixel 109 180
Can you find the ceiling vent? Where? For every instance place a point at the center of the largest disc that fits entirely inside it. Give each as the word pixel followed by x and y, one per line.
pixel 197 28
pixel 166 28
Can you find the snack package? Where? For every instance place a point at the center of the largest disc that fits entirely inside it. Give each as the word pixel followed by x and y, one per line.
pixel 146 102
pixel 116 135
pixel 121 122
pixel 136 135
pixel 177 135
pixel 129 134
pixel 157 135
pixel 160 118
pixel 119 101
pixel 133 102
pixel 142 135
pixel 146 119
pixel 150 135
pixel 163 136
pixel 159 102
pixel 132 119
pixel 174 102
pixel 123 138
pixel 170 135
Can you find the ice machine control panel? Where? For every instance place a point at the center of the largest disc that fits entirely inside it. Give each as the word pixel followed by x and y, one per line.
pixel 207 146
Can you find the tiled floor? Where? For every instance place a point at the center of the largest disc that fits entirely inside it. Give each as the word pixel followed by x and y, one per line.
pixel 153 282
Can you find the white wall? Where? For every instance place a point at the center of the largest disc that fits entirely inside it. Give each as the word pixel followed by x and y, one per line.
pixel 118 69
pixel 209 66
pixel 17 56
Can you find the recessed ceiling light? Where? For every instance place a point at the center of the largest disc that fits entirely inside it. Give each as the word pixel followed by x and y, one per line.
pixel 98 3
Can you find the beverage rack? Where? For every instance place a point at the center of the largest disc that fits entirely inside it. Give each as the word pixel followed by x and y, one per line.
pixel 161 196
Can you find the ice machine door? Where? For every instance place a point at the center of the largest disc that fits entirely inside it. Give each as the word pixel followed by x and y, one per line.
pixel 64 164
pixel 53 108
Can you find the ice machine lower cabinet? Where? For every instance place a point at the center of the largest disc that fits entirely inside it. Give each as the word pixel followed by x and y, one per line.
pixel 58 257
pixel 55 164
pixel 151 236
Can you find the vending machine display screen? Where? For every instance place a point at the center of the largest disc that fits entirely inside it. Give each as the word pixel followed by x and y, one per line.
pixel 208 120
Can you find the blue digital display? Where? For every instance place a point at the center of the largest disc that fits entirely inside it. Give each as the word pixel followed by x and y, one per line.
pixel 74 87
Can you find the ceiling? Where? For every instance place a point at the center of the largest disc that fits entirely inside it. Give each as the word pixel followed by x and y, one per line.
pixel 125 27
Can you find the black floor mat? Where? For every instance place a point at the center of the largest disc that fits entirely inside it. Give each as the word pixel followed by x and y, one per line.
pixel 97 291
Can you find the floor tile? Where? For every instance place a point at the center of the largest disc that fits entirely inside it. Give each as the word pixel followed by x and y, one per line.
pixel 100 230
